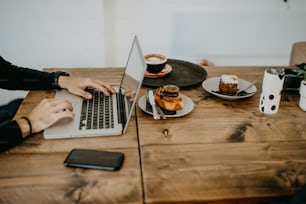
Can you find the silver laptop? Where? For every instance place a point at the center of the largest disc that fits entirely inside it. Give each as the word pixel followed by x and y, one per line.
pixel 103 115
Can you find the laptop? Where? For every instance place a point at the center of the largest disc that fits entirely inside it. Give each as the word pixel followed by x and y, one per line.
pixel 103 115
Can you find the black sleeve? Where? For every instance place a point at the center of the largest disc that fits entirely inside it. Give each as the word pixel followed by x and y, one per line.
pixel 10 135
pixel 13 77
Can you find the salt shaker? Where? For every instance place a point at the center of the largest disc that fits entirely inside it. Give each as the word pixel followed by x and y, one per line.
pixel 272 86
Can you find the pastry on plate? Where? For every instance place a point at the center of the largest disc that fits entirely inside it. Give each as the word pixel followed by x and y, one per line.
pixel 169 98
pixel 228 84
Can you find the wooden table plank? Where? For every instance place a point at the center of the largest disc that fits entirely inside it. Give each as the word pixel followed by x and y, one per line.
pixel 216 120
pixel 33 172
pixel 224 150
pixel 43 178
pixel 210 172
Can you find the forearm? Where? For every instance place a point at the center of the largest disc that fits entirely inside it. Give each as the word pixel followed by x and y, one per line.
pixel 13 77
pixel 27 79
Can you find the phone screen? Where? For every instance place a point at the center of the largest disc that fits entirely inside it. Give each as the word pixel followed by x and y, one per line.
pixel 93 159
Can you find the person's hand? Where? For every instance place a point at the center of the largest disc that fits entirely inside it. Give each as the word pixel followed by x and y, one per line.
pixel 48 112
pixel 78 85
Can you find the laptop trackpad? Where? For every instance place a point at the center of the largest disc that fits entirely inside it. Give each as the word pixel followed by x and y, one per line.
pixel 64 121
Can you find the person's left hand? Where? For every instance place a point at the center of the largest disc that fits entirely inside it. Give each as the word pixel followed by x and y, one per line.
pixel 78 85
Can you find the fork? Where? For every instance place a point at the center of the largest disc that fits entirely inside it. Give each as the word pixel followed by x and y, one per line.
pixel 246 88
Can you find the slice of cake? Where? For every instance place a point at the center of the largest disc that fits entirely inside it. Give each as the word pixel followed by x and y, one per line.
pixel 228 84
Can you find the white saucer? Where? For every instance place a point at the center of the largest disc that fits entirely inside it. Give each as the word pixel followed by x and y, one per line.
pixel 211 85
pixel 188 106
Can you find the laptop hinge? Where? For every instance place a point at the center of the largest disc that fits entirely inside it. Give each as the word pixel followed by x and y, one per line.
pixel 121 108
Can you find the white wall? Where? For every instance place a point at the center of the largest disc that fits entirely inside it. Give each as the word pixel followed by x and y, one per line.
pixel 51 33
pixel 94 33
pixel 235 32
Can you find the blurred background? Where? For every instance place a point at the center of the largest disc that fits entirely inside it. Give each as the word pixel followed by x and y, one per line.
pixel 98 33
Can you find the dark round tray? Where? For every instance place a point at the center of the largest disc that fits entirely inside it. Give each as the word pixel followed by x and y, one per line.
pixel 184 74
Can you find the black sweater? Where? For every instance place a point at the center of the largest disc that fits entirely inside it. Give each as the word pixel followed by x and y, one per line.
pixel 18 78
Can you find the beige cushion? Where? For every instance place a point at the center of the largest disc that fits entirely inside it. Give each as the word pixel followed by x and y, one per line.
pixel 298 53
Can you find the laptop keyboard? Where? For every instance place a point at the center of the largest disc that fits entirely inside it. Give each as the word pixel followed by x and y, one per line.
pixel 97 113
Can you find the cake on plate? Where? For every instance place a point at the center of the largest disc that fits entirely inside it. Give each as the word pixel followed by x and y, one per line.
pixel 228 84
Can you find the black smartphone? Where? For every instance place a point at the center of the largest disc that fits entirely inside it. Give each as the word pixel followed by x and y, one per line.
pixel 93 159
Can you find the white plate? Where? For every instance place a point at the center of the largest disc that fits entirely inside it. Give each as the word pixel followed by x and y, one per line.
pixel 188 106
pixel 211 85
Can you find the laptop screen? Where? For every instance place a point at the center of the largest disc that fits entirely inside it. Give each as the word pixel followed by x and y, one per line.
pixel 133 77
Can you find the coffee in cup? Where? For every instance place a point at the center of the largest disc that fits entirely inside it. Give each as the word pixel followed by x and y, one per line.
pixel 155 62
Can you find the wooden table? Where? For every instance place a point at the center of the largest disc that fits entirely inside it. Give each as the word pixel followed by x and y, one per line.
pixel 223 151
pixel 34 172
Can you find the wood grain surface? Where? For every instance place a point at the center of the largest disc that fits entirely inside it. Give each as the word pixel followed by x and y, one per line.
pixel 224 150
pixel 33 172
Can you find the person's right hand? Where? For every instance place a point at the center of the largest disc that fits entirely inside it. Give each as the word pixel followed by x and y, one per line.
pixel 48 112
